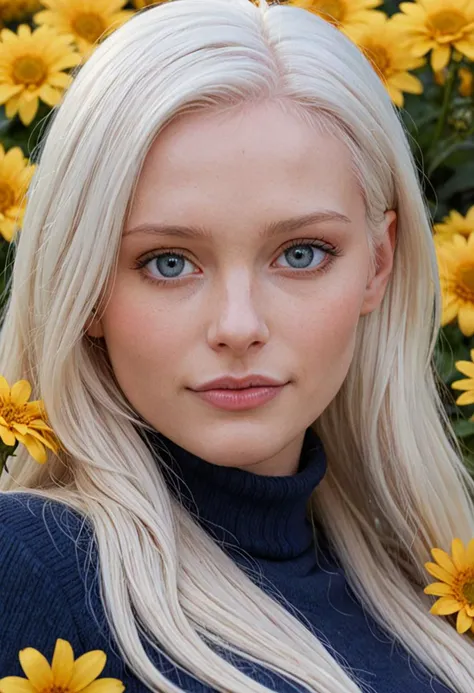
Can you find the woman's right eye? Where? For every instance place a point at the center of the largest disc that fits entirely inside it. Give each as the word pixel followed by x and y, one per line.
pixel 168 264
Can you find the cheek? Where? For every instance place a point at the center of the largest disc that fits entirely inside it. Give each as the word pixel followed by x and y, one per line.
pixel 142 339
pixel 327 339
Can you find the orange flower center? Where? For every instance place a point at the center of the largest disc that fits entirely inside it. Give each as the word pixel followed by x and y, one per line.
pixel 7 197
pixel 55 689
pixel 468 592
pixel 28 69
pixel 465 284
pixel 447 23
pixel 89 26
pixel 15 414
pixel 463 586
pixel 334 8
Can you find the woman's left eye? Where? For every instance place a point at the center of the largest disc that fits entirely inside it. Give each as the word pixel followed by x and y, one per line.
pixel 303 255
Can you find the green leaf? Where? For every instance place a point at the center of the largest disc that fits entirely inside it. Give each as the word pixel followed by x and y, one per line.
pixel 464 428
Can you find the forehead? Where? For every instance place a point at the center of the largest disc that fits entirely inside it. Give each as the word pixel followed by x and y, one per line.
pixel 249 164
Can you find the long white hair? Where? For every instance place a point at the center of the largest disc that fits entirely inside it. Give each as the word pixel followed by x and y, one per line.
pixel 396 485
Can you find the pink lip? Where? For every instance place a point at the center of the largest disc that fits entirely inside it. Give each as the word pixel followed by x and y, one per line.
pixel 236 400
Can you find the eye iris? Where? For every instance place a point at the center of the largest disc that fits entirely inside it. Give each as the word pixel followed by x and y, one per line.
pixel 169 262
pixel 300 251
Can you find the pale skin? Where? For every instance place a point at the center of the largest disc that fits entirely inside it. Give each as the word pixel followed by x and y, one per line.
pixel 238 303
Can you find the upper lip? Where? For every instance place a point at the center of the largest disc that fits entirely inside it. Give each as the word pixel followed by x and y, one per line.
pixel 230 383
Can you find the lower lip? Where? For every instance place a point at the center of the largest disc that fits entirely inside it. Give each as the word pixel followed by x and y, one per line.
pixel 235 400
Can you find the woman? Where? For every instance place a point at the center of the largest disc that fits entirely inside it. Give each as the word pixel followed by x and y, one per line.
pixel 272 539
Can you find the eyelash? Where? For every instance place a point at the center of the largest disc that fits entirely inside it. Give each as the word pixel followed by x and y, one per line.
pixel 332 250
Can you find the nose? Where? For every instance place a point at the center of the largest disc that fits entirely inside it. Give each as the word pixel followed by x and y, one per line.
pixel 237 317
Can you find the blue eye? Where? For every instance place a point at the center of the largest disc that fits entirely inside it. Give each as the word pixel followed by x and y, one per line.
pixel 169 264
pixel 304 253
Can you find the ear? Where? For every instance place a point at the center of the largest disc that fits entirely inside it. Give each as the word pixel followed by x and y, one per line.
pixel 95 326
pixel 377 283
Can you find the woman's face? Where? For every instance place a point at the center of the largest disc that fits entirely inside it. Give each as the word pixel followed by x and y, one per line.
pixel 237 300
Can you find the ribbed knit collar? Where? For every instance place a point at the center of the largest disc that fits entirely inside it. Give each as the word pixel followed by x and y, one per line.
pixel 265 516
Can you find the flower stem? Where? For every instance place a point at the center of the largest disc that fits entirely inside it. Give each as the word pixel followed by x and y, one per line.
pixel 448 89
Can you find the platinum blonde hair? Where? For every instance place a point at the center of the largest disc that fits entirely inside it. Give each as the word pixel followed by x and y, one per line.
pixel 396 485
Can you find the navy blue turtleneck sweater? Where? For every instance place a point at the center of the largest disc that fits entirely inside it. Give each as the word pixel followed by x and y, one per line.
pixel 49 586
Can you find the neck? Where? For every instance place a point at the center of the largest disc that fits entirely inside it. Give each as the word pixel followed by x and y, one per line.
pixel 263 515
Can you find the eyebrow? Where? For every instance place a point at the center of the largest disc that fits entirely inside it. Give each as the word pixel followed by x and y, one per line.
pixel 273 229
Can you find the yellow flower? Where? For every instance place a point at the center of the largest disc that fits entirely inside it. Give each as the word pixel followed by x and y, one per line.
pixel 456 272
pixel 24 421
pixel 343 14
pixel 87 20
pixel 454 223
pixel 15 176
pixel 13 10
pixel 438 26
pixel 64 675
pixel 457 587
pixel 383 45
pixel 31 65
pixel 467 384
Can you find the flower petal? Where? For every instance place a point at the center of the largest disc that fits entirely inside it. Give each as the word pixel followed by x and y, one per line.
pixel 421 47
pixel 439 589
pixel 440 573
pixel 470 553
pixel 21 392
pixel 440 57
pixel 50 95
pixel 444 560
pixel 466 398
pixel 4 388
pixel 450 311
pixel 36 668
pixel 466 47
pixel 465 367
pixel 34 447
pixel 62 664
pixel 9 90
pixel 104 686
pixel 27 110
pixel 87 668
pixel 466 384
pixel 458 554
pixel 42 438
pixel 463 621
pixel 21 428
pixel 15 684
pixel 7 436
pixel 407 82
pixel 466 319
pixel 40 424
pixel 445 606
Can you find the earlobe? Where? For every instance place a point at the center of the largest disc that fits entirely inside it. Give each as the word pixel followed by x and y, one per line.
pixel 377 284
pixel 95 327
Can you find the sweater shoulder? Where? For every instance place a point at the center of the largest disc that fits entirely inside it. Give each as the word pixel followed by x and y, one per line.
pixel 49 528
pixel 34 518
pixel 61 538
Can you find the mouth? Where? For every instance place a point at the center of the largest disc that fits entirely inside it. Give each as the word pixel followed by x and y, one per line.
pixel 237 399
